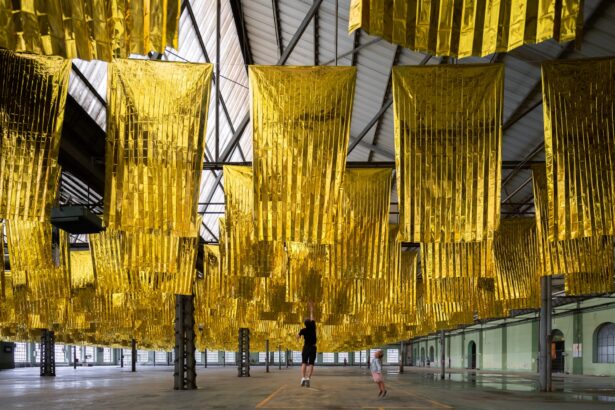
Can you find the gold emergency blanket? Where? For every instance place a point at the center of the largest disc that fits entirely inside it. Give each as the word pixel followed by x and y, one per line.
pixel 448 136
pixel 360 249
pixel 82 274
pixel 89 29
pixel 452 273
pixel 300 128
pixel 579 122
pixel 587 263
pixel 32 98
pixel 155 146
pixel 30 256
pixel 246 255
pixel 517 264
pixel 462 28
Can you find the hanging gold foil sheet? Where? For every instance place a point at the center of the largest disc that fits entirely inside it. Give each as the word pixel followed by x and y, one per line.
pixel 300 127
pixel 307 269
pixel 579 121
pixel 155 146
pixel 30 255
pixel 246 255
pixel 405 299
pixel 360 249
pixel 448 136
pixel 463 28
pixel 451 273
pixel 517 262
pixel 82 274
pixel 587 263
pixel 106 249
pixel 89 29
pixel 32 98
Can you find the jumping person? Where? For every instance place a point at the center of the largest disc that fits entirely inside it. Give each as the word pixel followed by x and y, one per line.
pixel 308 354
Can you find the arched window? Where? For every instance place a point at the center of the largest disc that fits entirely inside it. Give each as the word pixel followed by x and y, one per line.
pixel 605 343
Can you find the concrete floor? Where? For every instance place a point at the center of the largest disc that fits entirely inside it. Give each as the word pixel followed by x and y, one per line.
pixel 332 388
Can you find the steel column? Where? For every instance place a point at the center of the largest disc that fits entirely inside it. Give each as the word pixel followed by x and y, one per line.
pixel 402 356
pixel 267 356
pixel 544 342
pixel 48 360
pixel 243 364
pixel 279 357
pixel 217 151
pixel 185 362
pixel 133 355
pixel 442 355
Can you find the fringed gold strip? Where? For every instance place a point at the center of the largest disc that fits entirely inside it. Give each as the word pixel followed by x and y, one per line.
pixel 448 151
pixel 463 28
pixel 300 130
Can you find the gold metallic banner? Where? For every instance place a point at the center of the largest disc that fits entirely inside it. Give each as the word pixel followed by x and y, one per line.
pixel 462 28
pixel 448 151
pixel 155 146
pixel 456 260
pixel 360 248
pixel 579 121
pixel 32 98
pixel 301 126
pixel 30 253
pixel 82 274
pixel 246 255
pixel 517 264
pixel 89 29
pixel 107 254
pixel 587 263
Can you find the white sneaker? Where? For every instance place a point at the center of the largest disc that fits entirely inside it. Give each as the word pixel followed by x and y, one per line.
pixel 303 381
pixel 307 383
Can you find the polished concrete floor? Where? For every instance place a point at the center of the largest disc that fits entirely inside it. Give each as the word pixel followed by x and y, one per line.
pixel 332 388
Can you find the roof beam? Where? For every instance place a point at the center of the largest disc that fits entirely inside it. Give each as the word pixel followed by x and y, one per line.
pixel 353 144
pixel 387 95
pixel 316 36
pixel 278 29
pixel 242 33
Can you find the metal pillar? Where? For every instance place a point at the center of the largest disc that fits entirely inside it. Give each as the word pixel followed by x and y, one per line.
pixel 122 357
pixel 133 355
pixel 243 364
pixel 279 357
pixel 205 358
pixel 185 362
pixel 442 355
pixel 267 356
pixel 48 360
pixel 287 357
pixel 544 342
pixel 75 357
pixel 402 356
pixel 367 357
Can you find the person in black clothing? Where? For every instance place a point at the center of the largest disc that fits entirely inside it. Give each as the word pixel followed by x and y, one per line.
pixel 308 354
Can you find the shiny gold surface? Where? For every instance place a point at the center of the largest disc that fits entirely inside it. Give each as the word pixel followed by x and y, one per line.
pixel 155 146
pixel 579 118
pixel 89 29
pixel 517 264
pixel 587 263
pixel 300 129
pixel 32 98
pixel 463 28
pixel 246 255
pixel 448 151
pixel 361 236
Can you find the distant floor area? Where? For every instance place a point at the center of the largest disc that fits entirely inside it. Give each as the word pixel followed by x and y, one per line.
pixel 332 388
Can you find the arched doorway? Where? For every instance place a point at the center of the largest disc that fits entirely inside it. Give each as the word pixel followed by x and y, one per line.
pixel 422 356
pixel 472 355
pixel 431 354
pixel 557 351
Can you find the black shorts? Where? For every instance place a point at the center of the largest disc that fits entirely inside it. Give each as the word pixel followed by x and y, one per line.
pixel 308 354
